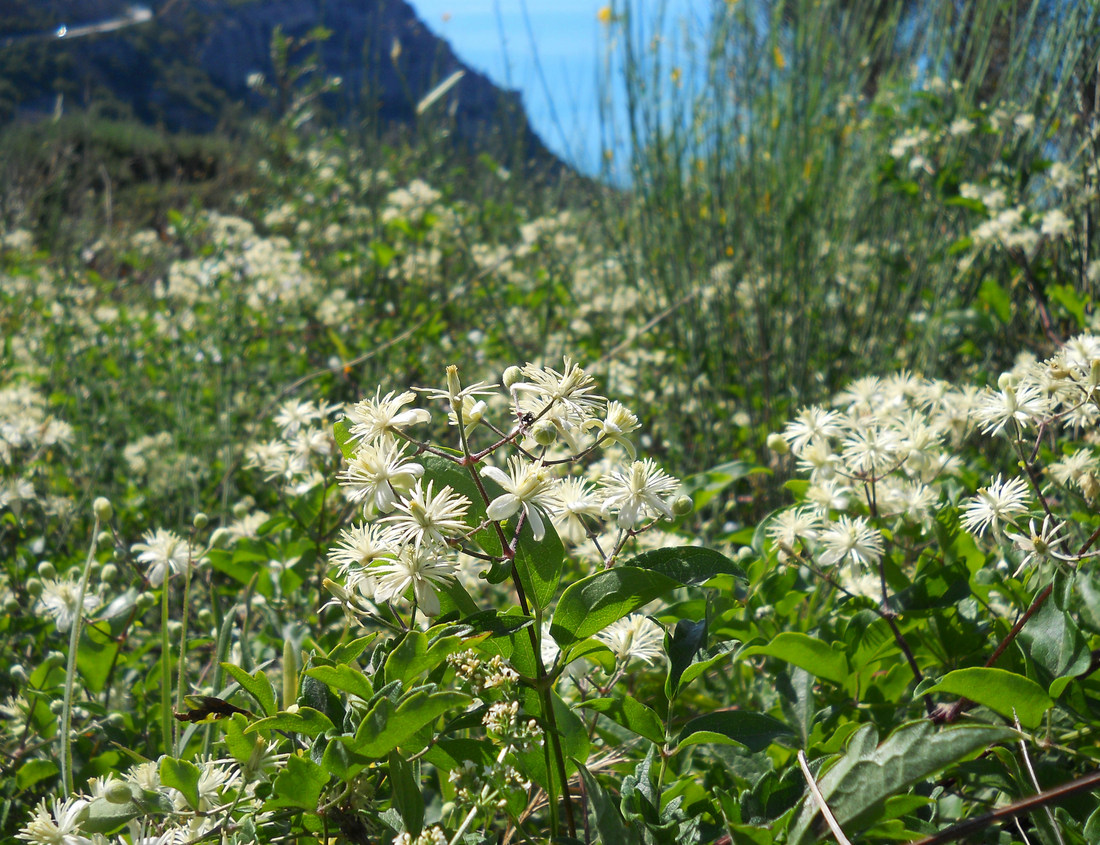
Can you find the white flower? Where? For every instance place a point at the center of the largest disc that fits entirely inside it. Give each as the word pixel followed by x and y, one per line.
pixel 59 599
pixel 850 539
pixel 378 474
pixel 575 500
pixel 618 422
pixel 420 568
pixel 634 637
pixel 996 505
pixel 294 415
pixel 793 525
pixel 59 827
pixel 812 426
pixel 165 552
pixel 1023 405
pixel 572 387
pixel 1038 544
pixel 424 519
pixel 527 485
pixel 637 493
pixel 381 416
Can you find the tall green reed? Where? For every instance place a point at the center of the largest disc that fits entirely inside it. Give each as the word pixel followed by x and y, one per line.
pixel 766 205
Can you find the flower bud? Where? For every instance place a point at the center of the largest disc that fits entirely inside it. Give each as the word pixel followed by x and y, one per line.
pixel 778 443
pixel 34 587
pixel 55 658
pixel 544 432
pixel 512 375
pixel 682 505
pixel 102 509
pixel 220 538
pixel 18 673
pixel 108 574
pixel 743 554
pixel 119 792
pixel 46 570
pixel 205 619
pixel 200 521
pixel 454 385
pixel 145 601
pixel 103 538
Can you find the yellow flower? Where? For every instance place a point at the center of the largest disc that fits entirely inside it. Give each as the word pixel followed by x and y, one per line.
pixel 604 15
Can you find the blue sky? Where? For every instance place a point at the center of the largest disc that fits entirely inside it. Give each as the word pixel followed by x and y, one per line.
pixel 492 37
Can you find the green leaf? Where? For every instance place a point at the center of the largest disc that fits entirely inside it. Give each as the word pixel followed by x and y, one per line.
pixel 631 714
pixel 603 813
pixel 181 775
pixel 34 771
pixel 539 564
pixel 349 679
pixel 306 721
pixel 406 795
pixel 347 443
pixel 298 785
pixel 350 651
pixel 688 565
pixel 1001 691
pixel 257 685
pixel 95 658
pixel 755 731
pixel 378 736
pixel 704 738
pixel 241 747
pixel 682 645
pixel 702 665
pixel 1052 637
pixel 1069 299
pixel 593 603
pixel 860 780
pixel 999 302
pixel 816 657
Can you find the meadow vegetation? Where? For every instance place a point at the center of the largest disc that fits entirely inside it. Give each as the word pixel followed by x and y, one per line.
pixel 354 489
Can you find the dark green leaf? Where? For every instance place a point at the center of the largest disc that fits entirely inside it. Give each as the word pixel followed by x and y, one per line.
pixel 406 794
pixel 1001 691
pixel 755 731
pixel 809 653
pixel 593 603
pixel 603 814
pixel 631 714
pixel 857 785
pixel 682 644
pixel 687 565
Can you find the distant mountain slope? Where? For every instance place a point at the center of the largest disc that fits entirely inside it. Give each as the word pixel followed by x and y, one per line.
pixel 189 64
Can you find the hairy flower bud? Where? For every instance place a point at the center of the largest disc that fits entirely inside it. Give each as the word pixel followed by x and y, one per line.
pixel 119 792
pixel 682 505
pixel 544 432
pixel 46 570
pixel 108 574
pixel 102 508
pixel 200 521
pixel 778 443
pixel 512 375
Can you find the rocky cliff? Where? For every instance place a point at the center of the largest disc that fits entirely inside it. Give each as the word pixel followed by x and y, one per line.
pixel 187 66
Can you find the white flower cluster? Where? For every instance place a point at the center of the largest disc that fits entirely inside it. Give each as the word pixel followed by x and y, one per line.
pixel 417 528
pixel 218 788
pixel 885 449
